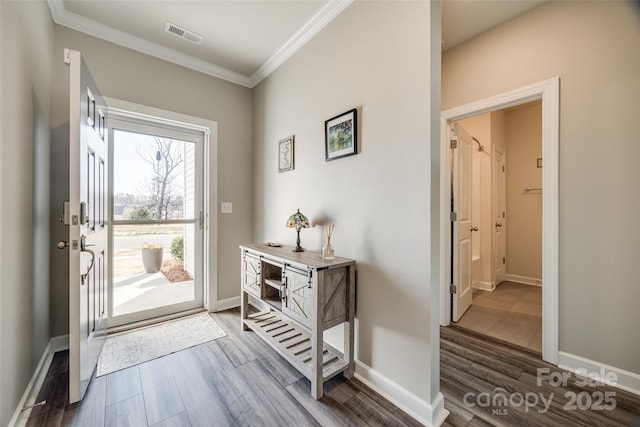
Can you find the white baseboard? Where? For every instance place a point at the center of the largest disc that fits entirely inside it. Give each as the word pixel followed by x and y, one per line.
pixel 533 281
pixel 228 303
pixel 59 343
pixel 484 286
pixel 20 417
pixel 429 414
pixel 625 380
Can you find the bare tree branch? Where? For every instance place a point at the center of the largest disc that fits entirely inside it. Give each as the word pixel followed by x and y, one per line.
pixel 165 157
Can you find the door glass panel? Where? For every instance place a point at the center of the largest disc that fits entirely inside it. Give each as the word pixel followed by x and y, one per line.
pixel 156 238
pixel 154 177
pixel 153 266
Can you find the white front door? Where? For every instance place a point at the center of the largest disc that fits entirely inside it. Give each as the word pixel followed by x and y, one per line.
pixel 500 214
pixel 88 226
pixel 462 155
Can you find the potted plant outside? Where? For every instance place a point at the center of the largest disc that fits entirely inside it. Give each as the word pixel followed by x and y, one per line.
pixel 152 257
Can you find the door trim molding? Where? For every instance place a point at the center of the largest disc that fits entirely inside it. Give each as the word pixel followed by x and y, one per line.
pixel 549 92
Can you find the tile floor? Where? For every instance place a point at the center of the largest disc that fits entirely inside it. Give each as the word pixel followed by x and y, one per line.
pixel 512 313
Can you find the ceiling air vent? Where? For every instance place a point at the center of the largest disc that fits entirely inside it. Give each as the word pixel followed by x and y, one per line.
pixel 182 33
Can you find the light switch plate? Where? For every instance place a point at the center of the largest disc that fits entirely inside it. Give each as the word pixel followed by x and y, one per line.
pixel 226 207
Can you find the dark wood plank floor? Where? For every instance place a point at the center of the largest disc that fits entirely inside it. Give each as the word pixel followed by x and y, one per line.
pixel 237 380
pixel 474 369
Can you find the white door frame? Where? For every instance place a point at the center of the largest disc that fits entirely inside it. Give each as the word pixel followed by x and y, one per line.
pixel 549 92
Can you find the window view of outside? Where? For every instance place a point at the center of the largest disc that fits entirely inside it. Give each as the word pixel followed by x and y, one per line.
pixel 153 258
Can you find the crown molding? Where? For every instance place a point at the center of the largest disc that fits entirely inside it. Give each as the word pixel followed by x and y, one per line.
pixel 88 26
pixel 306 33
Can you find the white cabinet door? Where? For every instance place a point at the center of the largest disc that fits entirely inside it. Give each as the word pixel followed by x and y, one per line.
pixel 298 302
pixel 251 275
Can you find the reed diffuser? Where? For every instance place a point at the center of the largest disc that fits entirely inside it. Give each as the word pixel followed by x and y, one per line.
pixel 328 252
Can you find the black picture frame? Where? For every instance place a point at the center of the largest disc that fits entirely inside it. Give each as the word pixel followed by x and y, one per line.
pixel 341 135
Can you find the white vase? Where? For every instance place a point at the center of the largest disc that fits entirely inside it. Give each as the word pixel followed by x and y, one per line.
pixel 152 260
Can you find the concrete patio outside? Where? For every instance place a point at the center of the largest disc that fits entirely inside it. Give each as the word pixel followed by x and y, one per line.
pixel 145 291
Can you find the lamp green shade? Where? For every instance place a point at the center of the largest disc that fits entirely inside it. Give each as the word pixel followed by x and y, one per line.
pixel 298 221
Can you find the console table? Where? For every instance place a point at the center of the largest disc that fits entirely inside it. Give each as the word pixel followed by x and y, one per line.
pixel 306 295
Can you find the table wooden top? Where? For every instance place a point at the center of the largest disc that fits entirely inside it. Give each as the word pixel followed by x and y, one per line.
pixel 307 258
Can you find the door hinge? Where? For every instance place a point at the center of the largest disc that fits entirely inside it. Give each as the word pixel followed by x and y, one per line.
pixel 504 260
pixel 453 216
pixel 502 168
pixel 452 289
pixel 201 220
pixel 454 143
pixel 503 215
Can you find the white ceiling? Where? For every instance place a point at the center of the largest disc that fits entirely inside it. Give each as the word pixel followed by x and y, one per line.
pixel 246 40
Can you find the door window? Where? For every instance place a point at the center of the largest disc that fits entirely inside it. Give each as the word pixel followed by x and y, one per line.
pixel 156 212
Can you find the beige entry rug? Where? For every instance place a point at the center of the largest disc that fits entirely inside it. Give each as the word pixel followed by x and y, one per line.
pixel 132 348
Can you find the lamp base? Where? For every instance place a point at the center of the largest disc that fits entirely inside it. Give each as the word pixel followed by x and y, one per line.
pixel 298 247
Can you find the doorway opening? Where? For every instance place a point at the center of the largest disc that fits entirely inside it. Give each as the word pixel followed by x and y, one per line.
pixel 157 218
pixel 505 224
pixel 457 247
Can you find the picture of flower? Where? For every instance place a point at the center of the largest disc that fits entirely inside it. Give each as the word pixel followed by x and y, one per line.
pixel 341 136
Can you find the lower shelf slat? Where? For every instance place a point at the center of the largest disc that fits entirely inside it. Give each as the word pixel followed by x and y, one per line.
pixel 294 344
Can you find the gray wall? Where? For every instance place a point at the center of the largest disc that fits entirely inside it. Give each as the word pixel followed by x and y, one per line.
pixel 26 37
pixel 375 57
pixel 593 48
pixel 128 75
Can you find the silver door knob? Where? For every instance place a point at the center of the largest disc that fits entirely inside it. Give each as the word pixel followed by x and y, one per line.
pixel 62 244
pixel 474 228
pixel 498 225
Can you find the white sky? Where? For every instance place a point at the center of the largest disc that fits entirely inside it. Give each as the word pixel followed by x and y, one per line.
pixel 130 172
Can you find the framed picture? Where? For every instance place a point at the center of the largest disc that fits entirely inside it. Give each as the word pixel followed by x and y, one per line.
pixel 340 135
pixel 285 154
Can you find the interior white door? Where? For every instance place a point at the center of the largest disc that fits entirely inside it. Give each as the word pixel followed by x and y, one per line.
pixel 88 231
pixel 500 214
pixel 462 155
